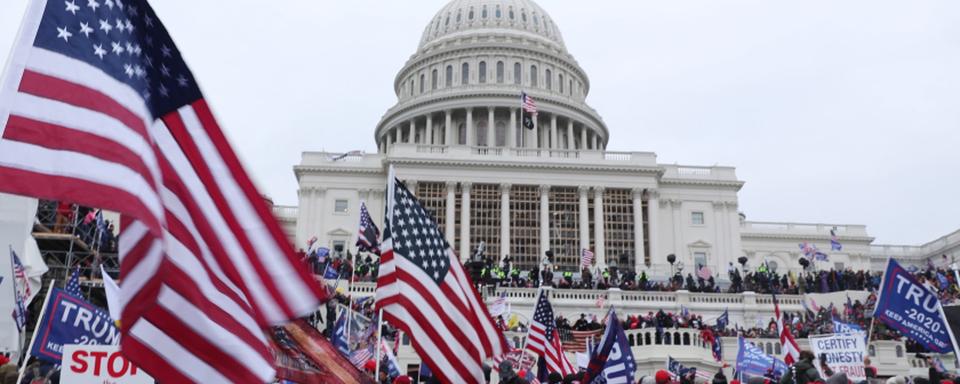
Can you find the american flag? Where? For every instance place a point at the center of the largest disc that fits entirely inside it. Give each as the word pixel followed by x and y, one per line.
pixel 101 110
pixel 791 351
pixel 424 290
pixel 361 356
pixel 576 341
pixel 544 340
pixel 834 242
pixel 586 258
pixel 21 291
pixel 369 235
pixel 530 107
pixel 73 284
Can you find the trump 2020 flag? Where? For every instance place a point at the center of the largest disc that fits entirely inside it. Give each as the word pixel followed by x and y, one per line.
pixel 907 306
pixel 99 108
pixel 752 361
pixel 613 361
pixel 68 319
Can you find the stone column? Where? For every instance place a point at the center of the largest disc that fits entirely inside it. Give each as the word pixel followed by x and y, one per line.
pixel 504 220
pixel 638 249
pixel 570 134
pixel 653 218
pixel 599 253
pixel 675 208
pixel 465 220
pixel 535 134
pixel 595 141
pixel 491 130
pixel 553 132
pixel 719 255
pixel 429 130
pixel 450 225
pixel 317 209
pixel 512 129
pixel 584 219
pixel 583 137
pixel 471 135
pixel 448 128
pixel 412 133
pixel 544 219
pixel 304 207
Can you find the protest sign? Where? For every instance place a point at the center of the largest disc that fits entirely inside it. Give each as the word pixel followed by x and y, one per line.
pixel 99 364
pixel 842 352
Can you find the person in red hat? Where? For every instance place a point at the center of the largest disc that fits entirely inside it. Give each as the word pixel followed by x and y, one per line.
pixel 402 379
pixel 662 377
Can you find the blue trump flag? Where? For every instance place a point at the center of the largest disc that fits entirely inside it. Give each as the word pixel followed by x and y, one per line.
pixel 68 319
pixel 612 361
pixel 723 320
pixel 752 361
pixel 330 273
pixel 340 333
pixel 842 327
pixel 907 306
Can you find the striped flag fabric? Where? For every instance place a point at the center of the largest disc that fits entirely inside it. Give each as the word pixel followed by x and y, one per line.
pixel 586 258
pixel 360 357
pixel 791 351
pixel 368 238
pixel 544 339
pixel 98 108
pixel 576 341
pixel 424 291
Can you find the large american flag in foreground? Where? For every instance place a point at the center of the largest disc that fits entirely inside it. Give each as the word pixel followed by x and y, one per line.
pixel 423 290
pixel 99 108
pixel 544 339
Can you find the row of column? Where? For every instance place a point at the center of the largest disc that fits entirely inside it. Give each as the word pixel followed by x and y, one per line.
pixel 548 139
pixel 599 250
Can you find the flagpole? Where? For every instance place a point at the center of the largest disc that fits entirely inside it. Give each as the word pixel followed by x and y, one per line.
pixel 16 295
pixel 376 372
pixel 26 357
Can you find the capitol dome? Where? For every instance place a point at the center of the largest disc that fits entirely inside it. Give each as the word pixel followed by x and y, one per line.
pixel 462 86
pixel 521 17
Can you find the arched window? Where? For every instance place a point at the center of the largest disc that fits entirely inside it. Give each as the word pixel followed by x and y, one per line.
pixel 646 338
pixel 448 80
pixel 501 138
pixel 462 134
pixel 548 78
pixel 523 15
pixel 483 13
pixel 570 88
pixel 422 81
pixel 459 13
pixel 482 72
pixel 446 22
pixel 686 339
pixel 510 13
pixel 499 72
pixel 433 79
pixel 536 21
pixel 533 76
pixel 497 12
pixel 560 82
pixel 517 73
pixel 465 74
pixel 411 87
pixel 676 338
pixel 667 339
pixel 481 133
pixel 470 15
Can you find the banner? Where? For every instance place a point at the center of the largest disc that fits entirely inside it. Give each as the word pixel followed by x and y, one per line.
pixel 905 305
pixel 842 327
pixel 613 361
pixel 842 352
pixel 69 319
pixel 304 356
pixel 752 361
pixel 98 364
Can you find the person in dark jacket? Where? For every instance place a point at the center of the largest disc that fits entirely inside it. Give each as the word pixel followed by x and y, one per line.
pixel 803 371
pixel 719 378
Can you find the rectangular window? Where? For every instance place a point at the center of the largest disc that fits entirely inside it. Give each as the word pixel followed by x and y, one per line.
pixel 341 205
pixel 696 218
pixel 339 246
pixel 699 259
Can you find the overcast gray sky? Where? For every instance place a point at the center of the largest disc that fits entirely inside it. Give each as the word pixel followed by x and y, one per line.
pixel 832 111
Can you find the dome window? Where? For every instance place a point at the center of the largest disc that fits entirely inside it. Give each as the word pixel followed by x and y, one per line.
pixel 533 76
pixel 433 80
pixel 517 73
pixel 448 79
pixel 510 13
pixel 523 15
pixel 422 81
pixel 411 87
pixel 483 13
pixel 482 72
pixel 499 72
pixel 497 12
pixel 446 23
pixel 470 14
pixel 459 14
pixel 570 88
pixel 547 79
pixel 536 21
pixel 465 74
pixel 560 82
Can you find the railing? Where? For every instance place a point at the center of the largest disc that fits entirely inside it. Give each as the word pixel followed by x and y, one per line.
pixel 617 156
pixel 807 228
pixel 488 151
pixel 285 211
pixel 693 171
pixel 424 148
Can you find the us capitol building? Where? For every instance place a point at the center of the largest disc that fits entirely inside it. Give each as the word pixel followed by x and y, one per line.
pixel 455 137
